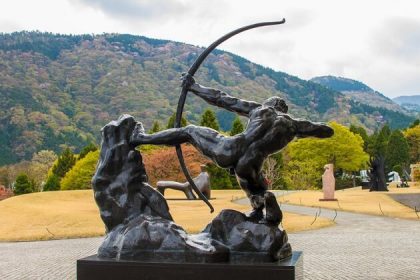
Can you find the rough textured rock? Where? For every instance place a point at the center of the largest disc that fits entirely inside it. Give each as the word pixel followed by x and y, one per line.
pixel 247 240
pixel 139 225
pixel 120 181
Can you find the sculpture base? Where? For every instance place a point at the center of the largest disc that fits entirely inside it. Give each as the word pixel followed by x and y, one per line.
pixel 93 268
pixel 328 199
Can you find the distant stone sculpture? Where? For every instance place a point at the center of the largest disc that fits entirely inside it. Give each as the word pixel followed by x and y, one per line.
pixel 328 183
pixel 377 174
pixel 202 181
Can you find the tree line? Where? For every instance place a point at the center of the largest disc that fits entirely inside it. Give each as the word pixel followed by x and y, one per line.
pixel 298 166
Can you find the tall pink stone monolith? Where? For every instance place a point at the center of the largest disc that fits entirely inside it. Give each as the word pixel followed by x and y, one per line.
pixel 328 183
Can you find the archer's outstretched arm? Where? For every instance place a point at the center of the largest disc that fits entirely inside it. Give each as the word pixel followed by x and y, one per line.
pixel 223 100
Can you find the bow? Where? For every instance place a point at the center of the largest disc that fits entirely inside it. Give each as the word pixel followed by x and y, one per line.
pixel 184 91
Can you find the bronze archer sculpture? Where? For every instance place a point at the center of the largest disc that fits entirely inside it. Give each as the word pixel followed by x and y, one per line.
pixel 269 129
pixel 138 222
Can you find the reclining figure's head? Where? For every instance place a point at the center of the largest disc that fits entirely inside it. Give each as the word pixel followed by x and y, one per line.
pixel 277 103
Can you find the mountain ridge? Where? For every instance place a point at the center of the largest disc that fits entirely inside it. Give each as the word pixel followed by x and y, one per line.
pixel 60 90
pixel 358 91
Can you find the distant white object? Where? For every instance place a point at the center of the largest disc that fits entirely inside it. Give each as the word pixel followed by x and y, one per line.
pixel 394 177
pixel 364 176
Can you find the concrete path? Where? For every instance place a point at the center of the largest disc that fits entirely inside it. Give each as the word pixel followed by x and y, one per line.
pixel 358 247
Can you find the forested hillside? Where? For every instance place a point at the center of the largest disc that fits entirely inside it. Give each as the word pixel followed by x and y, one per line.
pixel 359 92
pixel 60 90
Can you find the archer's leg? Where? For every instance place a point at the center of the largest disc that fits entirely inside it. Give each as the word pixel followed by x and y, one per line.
pixel 173 136
pixel 306 128
pixel 273 214
pixel 254 184
pixel 267 200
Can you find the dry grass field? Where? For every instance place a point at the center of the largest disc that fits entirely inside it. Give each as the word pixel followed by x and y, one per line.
pixel 358 200
pixel 72 214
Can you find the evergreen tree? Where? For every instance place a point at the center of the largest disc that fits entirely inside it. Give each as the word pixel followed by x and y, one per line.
pixel 171 121
pixel 23 184
pixel 220 178
pixel 52 184
pixel 155 127
pixel 209 119
pixel 89 148
pixel 397 153
pixel 362 132
pixel 80 176
pixel 237 127
pixel 65 162
pixel 379 142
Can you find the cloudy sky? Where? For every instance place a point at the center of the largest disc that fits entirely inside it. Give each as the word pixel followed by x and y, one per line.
pixel 376 41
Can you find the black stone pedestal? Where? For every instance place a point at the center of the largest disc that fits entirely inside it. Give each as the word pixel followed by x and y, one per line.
pixel 93 268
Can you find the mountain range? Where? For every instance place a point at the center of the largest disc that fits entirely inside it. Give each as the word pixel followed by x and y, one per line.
pixel 358 91
pixel 60 90
pixel 410 103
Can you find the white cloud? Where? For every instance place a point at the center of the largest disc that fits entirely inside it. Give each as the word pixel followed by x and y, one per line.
pixel 373 41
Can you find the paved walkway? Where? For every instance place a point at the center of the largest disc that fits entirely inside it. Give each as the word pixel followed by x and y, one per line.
pixel 358 247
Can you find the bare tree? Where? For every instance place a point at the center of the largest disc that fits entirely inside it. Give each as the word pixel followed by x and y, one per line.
pixel 272 171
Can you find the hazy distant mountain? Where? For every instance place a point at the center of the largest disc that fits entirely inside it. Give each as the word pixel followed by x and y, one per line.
pixel 61 89
pixel 411 103
pixel 357 91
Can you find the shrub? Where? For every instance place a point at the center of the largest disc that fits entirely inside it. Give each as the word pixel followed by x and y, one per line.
pixel 80 176
pixel 220 178
pixel 23 184
pixel 52 184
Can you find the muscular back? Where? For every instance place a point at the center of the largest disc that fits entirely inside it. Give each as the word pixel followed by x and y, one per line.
pixel 269 130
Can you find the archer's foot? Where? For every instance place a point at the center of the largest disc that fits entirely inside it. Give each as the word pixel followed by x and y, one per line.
pixel 256 215
pixel 137 134
pixel 273 214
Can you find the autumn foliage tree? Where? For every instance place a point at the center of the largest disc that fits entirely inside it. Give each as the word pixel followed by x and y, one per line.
pixel 40 164
pixel 413 138
pixel 162 163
